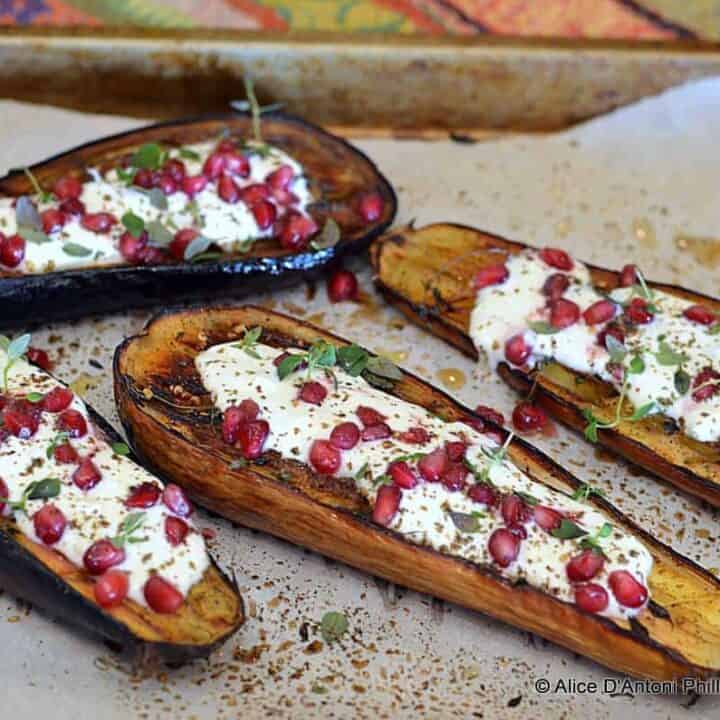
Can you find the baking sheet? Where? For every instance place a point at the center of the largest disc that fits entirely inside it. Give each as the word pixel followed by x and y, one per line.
pixel 638 185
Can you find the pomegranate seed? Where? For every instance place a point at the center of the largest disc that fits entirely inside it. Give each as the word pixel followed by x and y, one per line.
pixel 491 275
pixel 637 312
pixel 57 399
pixel 454 476
pixel 481 493
pixel 342 285
pixel 402 474
pixel 4 495
pixel 99 222
pixel 517 351
pixel 249 410
pixel 368 416
pixel 455 451
pixel 87 476
pixel 176 500
pixel 345 436
pixel 433 465
pixel 255 193
pixel 237 164
pixel 381 431
pixel 324 457
pixel 557 258
pixel 371 207
pixel 264 213
pixel 193 184
pixel 281 178
pixel 72 207
pixel 101 556
pixel 415 436
pixel 21 418
pixel 585 566
pixel 313 393
pixel 226 146
pixel 515 510
pixel 232 419
pixel 175 169
pixel 564 313
pixel 49 524
pixel 67 188
pixel 144 495
pixel 179 243
pixel 214 165
pixel 628 276
pixel 614 330
pixel 547 518
pixel 599 312
pixel 503 546
pixel 626 589
pixel 12 251
pixel 161 596
pixel 251 437
pixel 705 390
pixel 296 231
pixel 52 220
pixel 700 314
pixel 65 454
pixel 228 191
pixel 151 255
pixel 490 414
pixel 387 503
pixel 131 247
pixel 111 589
pixel 167 184
pixel 208 533
pixel 518 530
pixel 176 530
pixel 73 423
pixel 591 598
pixel 555 286
pixel 527 417
pixel 285 197
pixel 144 178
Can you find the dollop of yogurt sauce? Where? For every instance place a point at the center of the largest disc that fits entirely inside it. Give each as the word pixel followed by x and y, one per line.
pixel 99 512
pixel 660 361
pixel 428 513
pixel 230 226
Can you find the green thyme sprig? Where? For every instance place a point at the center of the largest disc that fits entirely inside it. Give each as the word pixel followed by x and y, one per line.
pixel 249 341
pixel 14 349
pixel 128 527
pixel 45 489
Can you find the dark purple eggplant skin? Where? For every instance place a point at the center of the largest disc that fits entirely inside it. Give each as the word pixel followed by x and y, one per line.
pixel 31 300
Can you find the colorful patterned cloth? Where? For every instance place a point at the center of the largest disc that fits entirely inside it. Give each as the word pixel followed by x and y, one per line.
pixel 642 19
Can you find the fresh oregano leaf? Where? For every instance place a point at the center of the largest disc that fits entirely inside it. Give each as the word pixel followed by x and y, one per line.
pixel 541 327
pixel 667 356
pixel 120 448
pixel 43 489
pixel 289 365
pixel 568 530
pixel 76 250
pixel 682 381
pixel 197 245
pixel 384 368
pixel 133 223
pixel 333 626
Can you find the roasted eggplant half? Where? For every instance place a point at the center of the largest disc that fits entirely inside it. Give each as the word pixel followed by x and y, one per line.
pixel 429 274
pixel 205 207
pixel 173 424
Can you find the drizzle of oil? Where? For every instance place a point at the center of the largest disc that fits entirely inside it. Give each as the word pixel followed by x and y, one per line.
pixel 644 231
pixel 396 356
pixel 452 378
pixel 705 250
pixel 84 383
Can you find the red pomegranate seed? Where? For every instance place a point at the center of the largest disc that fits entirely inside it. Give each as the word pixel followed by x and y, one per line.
pixel 131 247
pixel 255 193
pixel 490 414
pixel 455 451
pixel 381 431
pixel 402 474
pixel 99 222
pixel 547 518
pixel 626 589
pixel 503 547
pixel 313 393
pixel 481 493
pixel 517 351
pixel 167 184
pixel 111 589
pixel 49 523
pixel 515 510
pixel 4 495
pixel 342 285
pixel 208 533
pixel 12 251
pixel 557 258
pixel 585 566
pixel 591 598
pixel 628 276
pixel 52 220
pixel 21 418
pixel 57 399
pixel 281 178
pixel 226 146
pixel 296 231
pixel 67 188
pixel 214 165
pixel 706 388
pixel 193 184
pixel 73 423
pixel 101 556
pixel 387 503
pixel 72 207
pixel 345 436
pixel 237 164
pixel 599 312
pixel 175 169
pixel 144 178
pixel 369 416
pixel 555 286
pixel 176 500
pixel 151 255
pixel 371 207
pixel 144 495
pixel 700 314
pixel 176 530
pixel 518 530
pixel 615 331
pixel 249 410
pixel 491 275
pixel 228 190
pixel 564 313
pixel 179 243
pixel 527 417
pixel 161 596
pixel 415 436
pixel 454 476
pixel 232 419
pixel 433 465
pixel 265 214
pixel 325 457
pixel 638 312
pixel 285 198
pixel 65 454
pixel 87 476
pixel 251 438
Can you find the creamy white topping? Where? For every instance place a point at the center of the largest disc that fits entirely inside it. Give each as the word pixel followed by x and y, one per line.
pixel 232 375
pixel 230 226
pixel 507 309
pixel 97 513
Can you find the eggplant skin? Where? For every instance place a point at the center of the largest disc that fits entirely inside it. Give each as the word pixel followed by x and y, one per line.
pixel 338 174
pixel 214 610
pixel 172 425
pixel 427 273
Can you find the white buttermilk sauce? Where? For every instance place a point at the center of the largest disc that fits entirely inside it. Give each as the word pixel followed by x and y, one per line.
pixel 231 375
pixel 230 226
pixel 502 311
pixel 96 513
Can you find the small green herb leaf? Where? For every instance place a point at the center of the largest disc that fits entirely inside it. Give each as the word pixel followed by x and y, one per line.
pixel 188 154
pixel 642 411
pixel 34 397
pixel 568 530
pixel 352 359
pixel 681 381
pixel 134 224
pixel 542 328
pixel 27 216
pixel 637 365
pixel 249 340
pixel 615 348
pixel 197 245
pixel 333 626
pixel 584 491
pixel 667 356
pixel 120 448
pixel 466 522
pixel 384 368
pixel 131 524
pixel 289 365
pixel 43 489
pixel 149 156
pixel 529 499
pixel 76 250
pixel 158 234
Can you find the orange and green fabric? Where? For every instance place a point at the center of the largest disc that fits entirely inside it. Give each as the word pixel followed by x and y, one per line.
pixel 640 19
